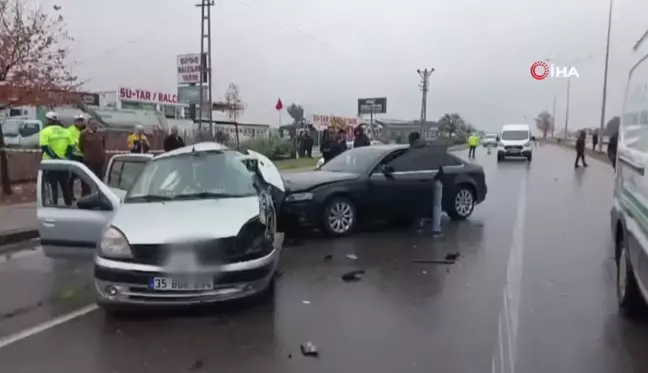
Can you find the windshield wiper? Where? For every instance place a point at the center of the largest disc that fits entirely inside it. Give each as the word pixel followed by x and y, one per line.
pixel 206 195
pixel 149 198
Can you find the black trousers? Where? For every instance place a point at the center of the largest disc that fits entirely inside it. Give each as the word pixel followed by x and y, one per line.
pixel 60 179
pixel 581 156
pixel 471 151
pixel 98 171
pixel 309 152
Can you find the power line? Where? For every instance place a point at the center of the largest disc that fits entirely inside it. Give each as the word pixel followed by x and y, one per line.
pixel 425 81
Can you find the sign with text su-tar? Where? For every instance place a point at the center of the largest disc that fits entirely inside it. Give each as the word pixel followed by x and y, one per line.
pixel 144 95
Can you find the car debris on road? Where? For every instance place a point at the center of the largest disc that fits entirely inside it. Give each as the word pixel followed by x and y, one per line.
pixel 353 275
pixel 309 349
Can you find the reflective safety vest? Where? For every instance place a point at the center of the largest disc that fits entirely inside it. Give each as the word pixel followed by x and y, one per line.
pixel 75 135
pixel 57 138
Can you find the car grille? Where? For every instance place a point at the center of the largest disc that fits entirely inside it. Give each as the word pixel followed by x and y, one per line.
pixel 207 252
pixel 513 147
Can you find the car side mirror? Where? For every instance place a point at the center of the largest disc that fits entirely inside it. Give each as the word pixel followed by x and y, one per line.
pixel 94 201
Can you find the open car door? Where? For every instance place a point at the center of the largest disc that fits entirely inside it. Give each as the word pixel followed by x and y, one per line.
pixel 71 230
pixel 123 170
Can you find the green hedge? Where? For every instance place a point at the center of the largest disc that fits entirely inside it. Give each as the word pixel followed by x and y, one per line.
pixel 272 147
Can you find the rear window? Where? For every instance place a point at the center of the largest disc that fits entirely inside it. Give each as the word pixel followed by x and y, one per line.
pixel 123 173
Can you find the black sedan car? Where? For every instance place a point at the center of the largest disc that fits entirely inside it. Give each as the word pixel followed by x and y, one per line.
pixel 391 182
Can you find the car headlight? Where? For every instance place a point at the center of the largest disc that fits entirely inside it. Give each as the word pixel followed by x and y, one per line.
pixel 114 244
pixel 527 144
pixel 254 240
pixel 296 197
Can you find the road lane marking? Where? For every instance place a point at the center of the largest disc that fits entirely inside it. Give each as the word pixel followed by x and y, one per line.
pixel 24 334
pixel 510 313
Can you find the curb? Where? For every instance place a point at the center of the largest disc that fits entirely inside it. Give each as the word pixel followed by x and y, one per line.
pixel 11 237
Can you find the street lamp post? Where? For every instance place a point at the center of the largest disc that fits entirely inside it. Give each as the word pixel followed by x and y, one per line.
pixel 605 74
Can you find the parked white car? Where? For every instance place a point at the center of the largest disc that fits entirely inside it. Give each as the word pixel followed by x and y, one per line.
pixel 193 225
pixel 21 133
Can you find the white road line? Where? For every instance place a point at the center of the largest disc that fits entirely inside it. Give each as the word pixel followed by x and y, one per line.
pixel 13 338
pixel 510 312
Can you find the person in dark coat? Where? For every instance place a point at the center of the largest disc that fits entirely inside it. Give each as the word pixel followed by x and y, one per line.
pixel 612 148
pixel 339 146
pixel 326 147
pixel 595 140
pixel 361 138
pixel 173 141
pixel 580 149
pixel 308 144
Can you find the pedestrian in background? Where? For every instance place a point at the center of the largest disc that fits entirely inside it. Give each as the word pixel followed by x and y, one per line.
pixel 137 142
pixel 173 140
pixel 326 147
pixel 612 148
pixel 301 145
pixel 77 155
pixel 308 143
pixel 361 138
pixel 93 146
pixel 56 143
pixel 580 149
pixel 473 143
pixel 595 140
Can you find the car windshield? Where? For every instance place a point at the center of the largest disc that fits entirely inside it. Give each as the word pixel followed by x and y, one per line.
pixel 11 127
pixel 201 175
pixel 515 135
pixel 355 161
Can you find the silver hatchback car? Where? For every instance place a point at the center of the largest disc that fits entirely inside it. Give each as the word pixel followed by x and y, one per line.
pixel 194 225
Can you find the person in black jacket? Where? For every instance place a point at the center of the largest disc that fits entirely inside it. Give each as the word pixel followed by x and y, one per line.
pixel 339 146
pixel 308 144
pixel 361 138
pixel 173 141
pixel 326 146
pixel 580 149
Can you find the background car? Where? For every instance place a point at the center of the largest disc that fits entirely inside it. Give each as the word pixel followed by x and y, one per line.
pixel 383 181
pixel 193 225
pixel 489 140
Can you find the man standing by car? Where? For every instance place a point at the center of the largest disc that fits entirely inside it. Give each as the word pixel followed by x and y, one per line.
pixel 580 149
pixel 77 155
pixel 340 144
pixel 56 143
pixel 173 141
pixel 138 142
pixel 326 148
pixel 361 138
pixel 93 146
pixel 308 143
pixel 595 140
pixel 612 148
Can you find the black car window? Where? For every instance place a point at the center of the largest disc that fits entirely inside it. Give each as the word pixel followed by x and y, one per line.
pixel 420 159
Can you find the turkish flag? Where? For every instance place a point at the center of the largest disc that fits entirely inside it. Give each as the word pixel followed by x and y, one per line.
pixel 279 105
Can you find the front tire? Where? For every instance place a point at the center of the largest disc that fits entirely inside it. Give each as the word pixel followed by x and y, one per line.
pixel 500 158
pixel 339 217
pixel 462 204
pixel 630 300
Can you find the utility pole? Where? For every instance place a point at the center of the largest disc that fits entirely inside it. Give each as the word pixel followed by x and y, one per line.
pixel 553 118
pixel 567 110
pixel 205 40
pixel 425 81
pixel 605 74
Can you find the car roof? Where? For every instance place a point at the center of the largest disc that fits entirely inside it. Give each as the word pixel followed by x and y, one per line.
pixel 513 127
pixel 199 147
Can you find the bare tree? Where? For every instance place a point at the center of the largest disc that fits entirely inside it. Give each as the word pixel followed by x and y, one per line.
pixel 545 123
pixel 33 69
pixel 234 104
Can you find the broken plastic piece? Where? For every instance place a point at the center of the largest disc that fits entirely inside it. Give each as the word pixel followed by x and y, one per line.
pixel 353 275
pixel 309 349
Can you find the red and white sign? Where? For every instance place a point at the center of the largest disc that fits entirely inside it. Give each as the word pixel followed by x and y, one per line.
pixel 189 69
pixel 144 95
pixel 325 121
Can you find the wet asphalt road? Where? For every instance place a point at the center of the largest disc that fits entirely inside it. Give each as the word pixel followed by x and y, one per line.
pixel 533 289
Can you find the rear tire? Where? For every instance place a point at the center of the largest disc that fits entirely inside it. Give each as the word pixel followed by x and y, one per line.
pixel 462 203
pixel 630 300
pixel 339 217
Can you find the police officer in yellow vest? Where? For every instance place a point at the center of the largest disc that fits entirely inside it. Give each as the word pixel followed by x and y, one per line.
pixel 138 142
pixel 56 143
pixel 75 133
pixel 473 143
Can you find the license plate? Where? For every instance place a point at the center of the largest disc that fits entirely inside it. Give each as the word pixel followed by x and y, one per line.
pixel 181 284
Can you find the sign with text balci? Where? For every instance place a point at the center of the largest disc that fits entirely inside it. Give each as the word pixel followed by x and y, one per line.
pixel 190 94
pixel 376 105
pixel 190 70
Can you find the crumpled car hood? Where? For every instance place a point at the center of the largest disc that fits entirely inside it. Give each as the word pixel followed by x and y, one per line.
pixel 178 221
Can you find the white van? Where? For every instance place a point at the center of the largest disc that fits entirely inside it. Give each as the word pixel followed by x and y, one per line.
pixel 630 207
pixel 515 141
pixel 21 133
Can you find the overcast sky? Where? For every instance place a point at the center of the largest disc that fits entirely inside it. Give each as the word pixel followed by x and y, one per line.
pixel 324 54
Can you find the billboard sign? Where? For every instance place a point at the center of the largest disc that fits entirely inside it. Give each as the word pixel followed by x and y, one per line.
pixel 190 94
pixel 146 96
pixel 376 105
pixel 324 121
pixel 189 68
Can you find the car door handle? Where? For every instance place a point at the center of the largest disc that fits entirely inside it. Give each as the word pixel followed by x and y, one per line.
pixel 49 222
pixel 632 164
